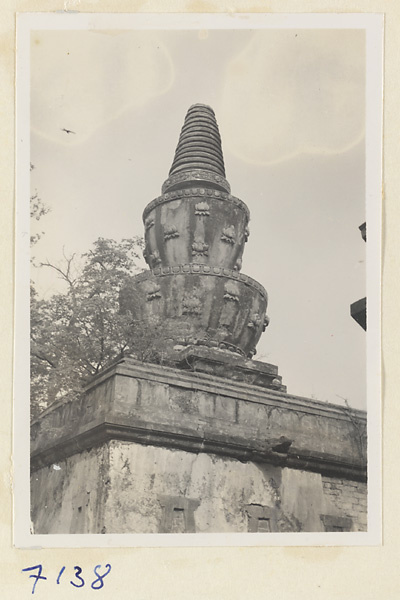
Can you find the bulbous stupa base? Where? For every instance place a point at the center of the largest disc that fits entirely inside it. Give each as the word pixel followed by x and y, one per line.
pixel 195 234
pixel 199 305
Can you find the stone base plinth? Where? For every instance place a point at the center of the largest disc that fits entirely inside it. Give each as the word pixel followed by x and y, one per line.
pixel 150 448
pixel 229 366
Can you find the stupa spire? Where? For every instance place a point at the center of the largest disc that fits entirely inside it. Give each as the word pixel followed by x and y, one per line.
pixel 199 145
pixel 198 156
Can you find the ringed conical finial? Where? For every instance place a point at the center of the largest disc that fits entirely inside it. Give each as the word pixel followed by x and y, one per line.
pixel 198 155
pixel 199 145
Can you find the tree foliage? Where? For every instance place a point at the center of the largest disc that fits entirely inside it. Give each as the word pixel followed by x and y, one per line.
pixel 38 209
pixel 76 333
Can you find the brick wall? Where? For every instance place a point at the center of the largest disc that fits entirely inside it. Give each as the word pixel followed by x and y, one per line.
pixel 349 498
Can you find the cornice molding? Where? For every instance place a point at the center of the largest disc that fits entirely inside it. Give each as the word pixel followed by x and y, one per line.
pixel 201 269
pixel 100 432
pixel 201 193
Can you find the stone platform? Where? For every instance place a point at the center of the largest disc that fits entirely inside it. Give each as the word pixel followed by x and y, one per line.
pixel 145 440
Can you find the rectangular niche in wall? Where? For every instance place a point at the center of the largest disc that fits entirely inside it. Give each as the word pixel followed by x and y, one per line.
pixel 178 514
pixel 261 519
pixel 334 523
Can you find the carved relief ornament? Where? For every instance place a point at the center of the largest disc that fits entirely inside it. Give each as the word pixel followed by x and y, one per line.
pixel 191 305
pixel 228 235
pixel 202 209
pixel 152 259
pixel 199 247
pixel 153 292
pixel 231 292
pixel 170 232
pixel 238 265
pixel 254 321
pixel 148 224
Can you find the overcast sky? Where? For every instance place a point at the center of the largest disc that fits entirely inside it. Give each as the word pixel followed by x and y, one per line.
pixel 291 111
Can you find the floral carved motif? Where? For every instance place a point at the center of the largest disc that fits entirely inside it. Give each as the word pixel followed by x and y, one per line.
pixel 255 321
pixel 228 235
pixel 199 247
pixel 170 232
pixel 148 224
pixel 191 305
pixel 231 292
pixel 238 265
pixel 154 259
pixel 153 292
pixel 202 209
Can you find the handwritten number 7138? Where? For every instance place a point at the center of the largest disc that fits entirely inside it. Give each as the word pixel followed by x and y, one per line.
pixel 96 584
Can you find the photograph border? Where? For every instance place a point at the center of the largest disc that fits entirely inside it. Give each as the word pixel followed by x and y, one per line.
pixel 373 25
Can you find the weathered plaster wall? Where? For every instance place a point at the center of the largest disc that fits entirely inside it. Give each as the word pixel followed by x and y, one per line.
pixel 124 487
pixel 226 490
pixel 70 496
pixel 142 475
pixel 303 496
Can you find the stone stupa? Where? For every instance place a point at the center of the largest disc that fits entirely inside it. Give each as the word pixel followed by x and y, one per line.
pixel 195 234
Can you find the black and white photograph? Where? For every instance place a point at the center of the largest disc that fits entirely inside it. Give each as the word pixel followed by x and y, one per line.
pixel 198 268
